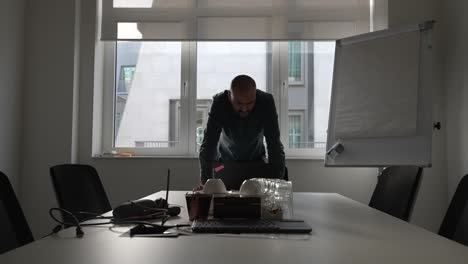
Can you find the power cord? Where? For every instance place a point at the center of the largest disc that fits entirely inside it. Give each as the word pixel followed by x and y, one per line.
pixel 78 230
pixel 127 221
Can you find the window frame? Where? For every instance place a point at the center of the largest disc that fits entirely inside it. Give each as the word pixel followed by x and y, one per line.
pixel 278 78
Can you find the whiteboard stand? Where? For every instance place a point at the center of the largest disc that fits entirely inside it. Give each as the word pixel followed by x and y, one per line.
pixel 381 101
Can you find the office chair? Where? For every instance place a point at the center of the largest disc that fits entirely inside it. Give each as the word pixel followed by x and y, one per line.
pixel 79 189
pixel 14 229
pixel 396 190
pixel 455 223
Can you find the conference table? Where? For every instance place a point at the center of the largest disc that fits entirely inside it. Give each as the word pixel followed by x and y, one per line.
pixel 344 231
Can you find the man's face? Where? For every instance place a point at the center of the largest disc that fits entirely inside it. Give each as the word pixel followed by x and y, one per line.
pixel 243 100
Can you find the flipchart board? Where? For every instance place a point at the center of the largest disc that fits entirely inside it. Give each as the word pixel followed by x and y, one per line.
pixel 381 102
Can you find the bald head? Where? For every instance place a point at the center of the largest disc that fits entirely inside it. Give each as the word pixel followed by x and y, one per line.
pixel 243 94
pixel 243 83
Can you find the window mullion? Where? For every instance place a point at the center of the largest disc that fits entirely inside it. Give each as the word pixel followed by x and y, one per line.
pixel 108 130
pixel 185 85
pixel 192 98
pixel 283 86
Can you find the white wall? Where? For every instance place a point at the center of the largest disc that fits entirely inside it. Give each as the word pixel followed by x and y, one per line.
pixel 432 199
pixel 455 24
pixel 11 77
pixel 48 103
pixel 48 125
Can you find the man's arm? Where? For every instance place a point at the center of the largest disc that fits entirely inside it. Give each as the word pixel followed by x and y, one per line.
pixel 210 142
pixel 275 148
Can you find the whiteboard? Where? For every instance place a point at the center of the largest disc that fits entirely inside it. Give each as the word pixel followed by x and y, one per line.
pixel 381 103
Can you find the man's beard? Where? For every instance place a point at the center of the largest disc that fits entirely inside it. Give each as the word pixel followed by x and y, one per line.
pixel 244 114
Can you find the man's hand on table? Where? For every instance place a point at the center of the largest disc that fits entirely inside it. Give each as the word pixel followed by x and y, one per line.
pixel 198 188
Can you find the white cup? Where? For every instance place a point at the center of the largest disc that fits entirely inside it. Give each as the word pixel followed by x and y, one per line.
pixel 250 187
pixel 214 186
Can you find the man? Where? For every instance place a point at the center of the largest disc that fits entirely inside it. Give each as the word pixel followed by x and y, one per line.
pixel 237 122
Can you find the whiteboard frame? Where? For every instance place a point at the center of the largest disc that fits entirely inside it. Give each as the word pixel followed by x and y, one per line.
pixel 409 150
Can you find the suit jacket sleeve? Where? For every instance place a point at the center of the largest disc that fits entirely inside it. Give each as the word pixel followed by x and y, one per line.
pixel 209 145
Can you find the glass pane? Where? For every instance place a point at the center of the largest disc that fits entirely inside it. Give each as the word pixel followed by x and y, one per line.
pixel 309 100
pixel 295 131
pixel 295 62
pixel 219 62
pixel 147 97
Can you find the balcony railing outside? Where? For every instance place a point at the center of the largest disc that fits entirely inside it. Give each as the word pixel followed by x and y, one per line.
pixel 171 144
pixel 306 144
pixel 156 144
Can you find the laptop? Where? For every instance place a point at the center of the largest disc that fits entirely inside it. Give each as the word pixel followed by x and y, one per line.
pixel 234 173
pixel 251 226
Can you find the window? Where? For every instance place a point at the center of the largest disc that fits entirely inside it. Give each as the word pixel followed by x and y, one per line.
pixel 172 56
pixel 219 62
pixel 125 79
pixel 295 62
pixel 296 126
pixel 163 91
pixel 308 101
pixel 124 85
pixel 144 92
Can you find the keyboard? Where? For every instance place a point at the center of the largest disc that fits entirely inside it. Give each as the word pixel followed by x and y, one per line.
pixel 250 226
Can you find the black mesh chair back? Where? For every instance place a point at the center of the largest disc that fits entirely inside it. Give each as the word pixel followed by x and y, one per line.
pixel 78 188
pixel 14 229
pixel 396 191
pixel 455 223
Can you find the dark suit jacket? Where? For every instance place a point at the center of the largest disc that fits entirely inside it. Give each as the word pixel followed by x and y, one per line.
pixel 228 137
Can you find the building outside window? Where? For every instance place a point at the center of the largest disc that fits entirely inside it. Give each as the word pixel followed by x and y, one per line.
pixel 126 74
pixel 296 127
pixel 124 85
pixel 295 62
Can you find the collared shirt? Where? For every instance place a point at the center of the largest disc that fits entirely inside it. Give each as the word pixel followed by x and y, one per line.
pixel 228 137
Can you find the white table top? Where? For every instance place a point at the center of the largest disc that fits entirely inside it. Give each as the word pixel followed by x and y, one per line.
pixel 344 231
